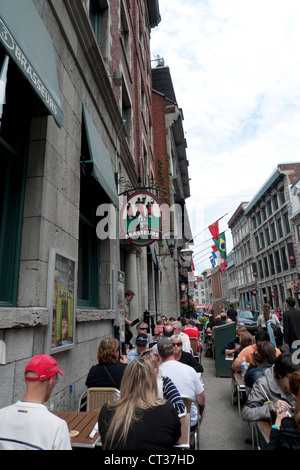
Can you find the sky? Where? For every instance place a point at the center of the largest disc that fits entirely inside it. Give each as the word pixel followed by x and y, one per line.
pixel 235 68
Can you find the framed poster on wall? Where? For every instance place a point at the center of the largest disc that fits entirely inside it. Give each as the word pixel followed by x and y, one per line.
pixel 61 299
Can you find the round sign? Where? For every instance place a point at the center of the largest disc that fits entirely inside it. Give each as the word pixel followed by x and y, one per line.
pixel 141 219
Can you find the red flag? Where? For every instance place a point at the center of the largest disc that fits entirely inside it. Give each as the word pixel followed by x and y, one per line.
pixel 214 230
pixel 215 248
pixel 223 266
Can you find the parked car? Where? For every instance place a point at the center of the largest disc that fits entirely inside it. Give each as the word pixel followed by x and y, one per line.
pixel 248 318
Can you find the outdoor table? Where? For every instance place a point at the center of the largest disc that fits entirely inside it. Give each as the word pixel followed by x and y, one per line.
pixel 261 431
pixel 82 422
pixel 240 385
pixel 264 429
pixel 229 357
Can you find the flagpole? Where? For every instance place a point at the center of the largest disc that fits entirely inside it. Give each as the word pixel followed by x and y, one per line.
pixel 206 228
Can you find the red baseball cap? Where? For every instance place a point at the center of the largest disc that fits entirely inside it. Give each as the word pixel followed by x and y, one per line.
pixel 44 366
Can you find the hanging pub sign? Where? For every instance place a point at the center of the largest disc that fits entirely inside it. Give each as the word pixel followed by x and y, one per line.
pixel 141 219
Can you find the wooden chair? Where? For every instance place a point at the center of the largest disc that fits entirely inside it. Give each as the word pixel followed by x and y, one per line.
pixel 195 433
pixel 95 397
pixel 194 347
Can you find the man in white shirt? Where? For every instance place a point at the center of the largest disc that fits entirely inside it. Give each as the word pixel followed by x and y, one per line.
pixel 27 424
pixel 186 343
pixel 184 377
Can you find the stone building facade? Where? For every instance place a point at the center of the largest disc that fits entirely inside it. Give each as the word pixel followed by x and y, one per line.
pixel 76 131
pixel 266 243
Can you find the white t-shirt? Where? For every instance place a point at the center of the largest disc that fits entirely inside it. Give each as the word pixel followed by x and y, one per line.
pixel 29 426
pixel 186 380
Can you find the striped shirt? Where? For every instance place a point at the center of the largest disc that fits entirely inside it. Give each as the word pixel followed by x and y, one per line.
pixel 170 393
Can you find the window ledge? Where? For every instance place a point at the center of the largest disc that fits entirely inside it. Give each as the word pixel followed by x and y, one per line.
pixel 85 315
pixel 16 317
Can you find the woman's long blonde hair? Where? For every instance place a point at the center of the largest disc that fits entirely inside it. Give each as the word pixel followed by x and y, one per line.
pixel 138 393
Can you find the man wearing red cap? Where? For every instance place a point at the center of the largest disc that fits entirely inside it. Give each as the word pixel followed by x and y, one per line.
pixel 28 424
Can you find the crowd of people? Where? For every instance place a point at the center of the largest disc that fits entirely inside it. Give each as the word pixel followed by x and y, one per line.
pixel 273 373
pixel 154 376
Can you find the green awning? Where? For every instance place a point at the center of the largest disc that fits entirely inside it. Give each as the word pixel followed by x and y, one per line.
pixel 28 43
pixel 100 158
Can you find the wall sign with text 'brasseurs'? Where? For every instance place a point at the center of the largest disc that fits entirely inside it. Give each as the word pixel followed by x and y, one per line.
pixel 141 219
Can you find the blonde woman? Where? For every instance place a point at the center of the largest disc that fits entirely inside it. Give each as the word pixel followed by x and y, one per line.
pixel 140 420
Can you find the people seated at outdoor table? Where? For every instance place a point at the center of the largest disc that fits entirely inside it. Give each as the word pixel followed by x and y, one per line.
pixel 109 370
pixel 158 329
pixel 141 327
pixel 285 433
pixel 184 357
pixel 184 377
pixel 166 388
pixel 232 313
pixel 273 387
pixel 263 358
pixel 219 322
pixel 140 419
pixel 192 331
pixel 186 343
pixel 213 321
pixel 141 344
pixel 27 424
pixel 232 344
pixel 223 316
pixel 168 331
pixel 245 340
pixel 247 352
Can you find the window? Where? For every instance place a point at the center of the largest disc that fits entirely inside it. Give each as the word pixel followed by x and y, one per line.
pixel 88 256
pixel 268 236
pixel 269 205
pixel 286 223
pixel 266 267
pixel 261 271
pixel 298 232
pixel 279 226
pixel 282 196
pixel 254 223
pixel 258 218
pixel 262 240
pixel 127 114
pixel 15 117
pixel 275 201
pixel 272 266
pixel 257 243
pixel 284 259
pixel 98 15
pixel 277 261
pixel 273 232
pixel 264 213
pixel 124 35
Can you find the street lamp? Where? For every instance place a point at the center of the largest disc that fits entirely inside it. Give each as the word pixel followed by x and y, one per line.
pixel 171 245
pixel 186 257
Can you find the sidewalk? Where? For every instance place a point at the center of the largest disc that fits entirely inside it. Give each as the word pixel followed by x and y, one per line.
pixel 221 428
